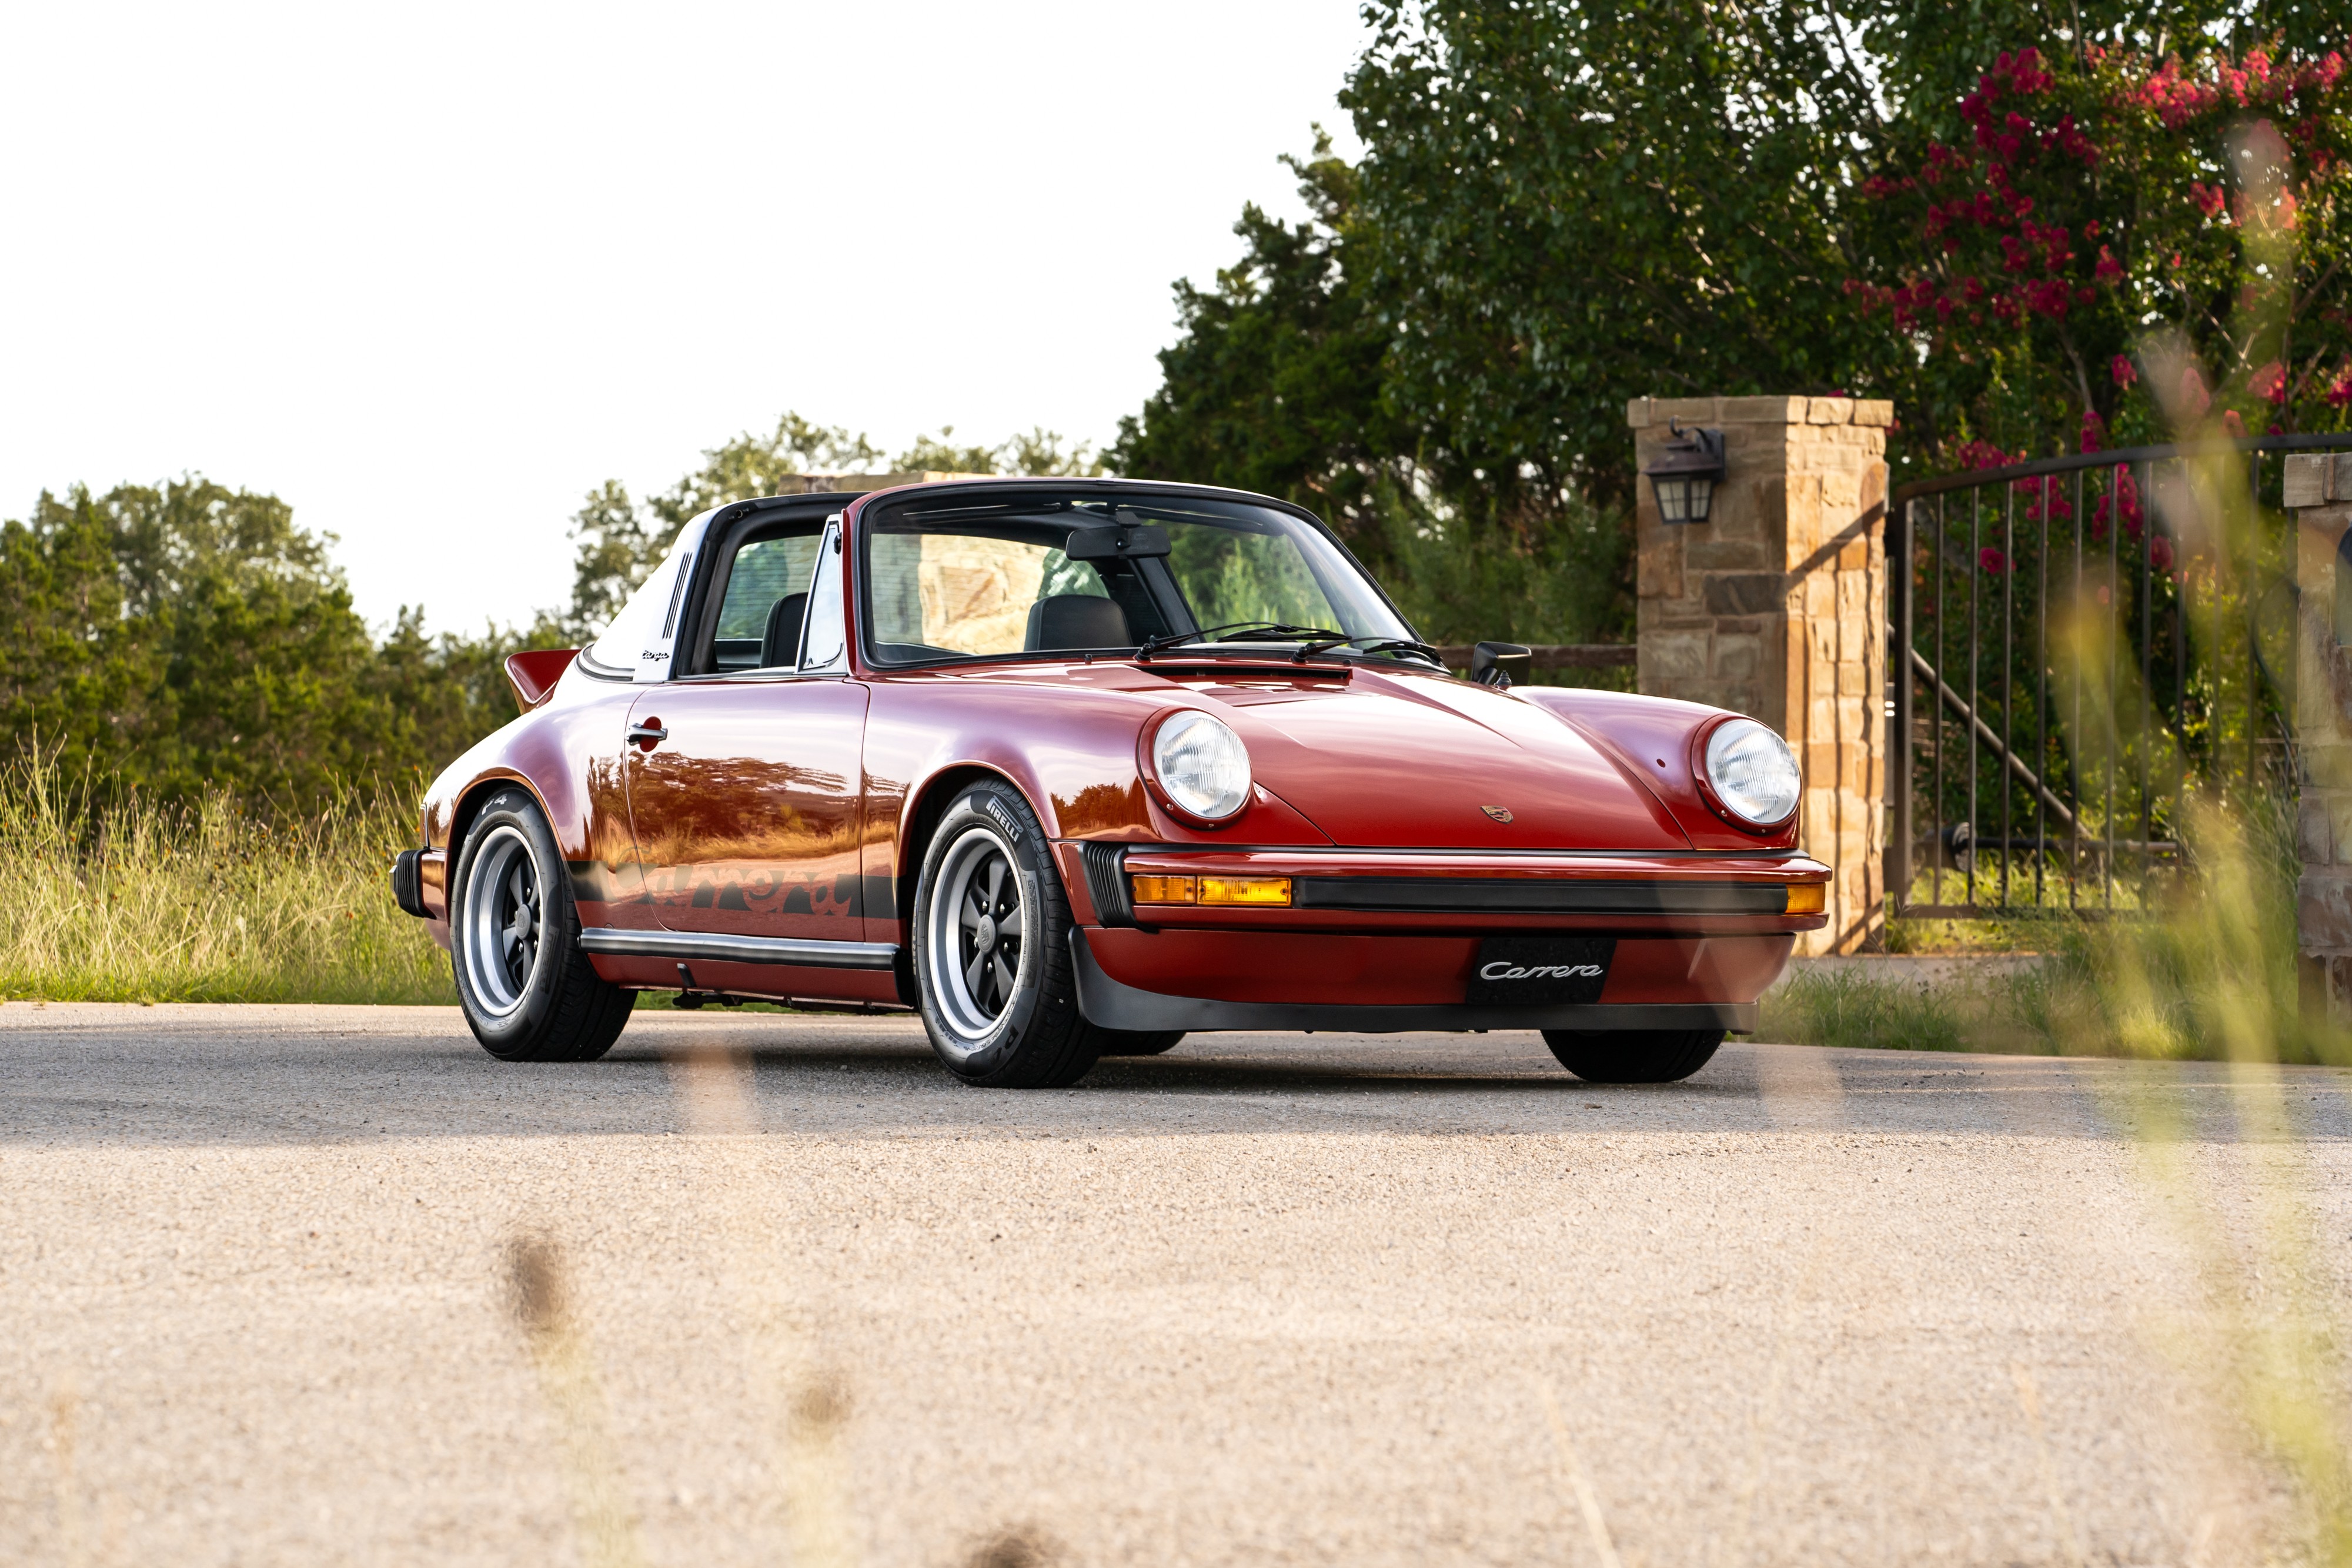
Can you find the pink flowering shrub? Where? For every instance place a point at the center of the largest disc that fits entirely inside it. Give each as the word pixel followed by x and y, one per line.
pixel 2101 219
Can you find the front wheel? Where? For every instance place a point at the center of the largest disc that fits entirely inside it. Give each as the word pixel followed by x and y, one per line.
pixel 1633 1056
pixel 992 949
pixel 529 992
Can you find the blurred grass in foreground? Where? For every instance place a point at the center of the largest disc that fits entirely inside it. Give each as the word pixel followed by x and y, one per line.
pixel 125 900
pixel 2172 984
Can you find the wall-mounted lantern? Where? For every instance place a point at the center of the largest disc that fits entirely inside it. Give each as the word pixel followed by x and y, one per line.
pixel 1686 473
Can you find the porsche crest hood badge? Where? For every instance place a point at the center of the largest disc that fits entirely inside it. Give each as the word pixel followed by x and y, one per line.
pixel 1500 813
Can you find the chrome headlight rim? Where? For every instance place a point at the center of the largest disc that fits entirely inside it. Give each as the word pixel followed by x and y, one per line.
pixel 1703 755
pixel 1173 724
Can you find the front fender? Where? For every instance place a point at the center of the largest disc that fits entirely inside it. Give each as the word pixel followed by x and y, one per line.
pixel 1650 736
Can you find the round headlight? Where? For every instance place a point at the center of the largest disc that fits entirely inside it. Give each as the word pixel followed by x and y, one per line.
pixel 1753 771
pixel 1202 766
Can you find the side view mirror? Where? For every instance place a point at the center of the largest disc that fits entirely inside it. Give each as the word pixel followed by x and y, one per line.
pixel 1500 664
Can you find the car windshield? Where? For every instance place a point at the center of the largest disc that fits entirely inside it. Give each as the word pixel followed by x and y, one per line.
pixel 993 576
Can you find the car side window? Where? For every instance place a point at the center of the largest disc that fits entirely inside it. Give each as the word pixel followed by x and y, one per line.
pixel 633 646
pixel 765 597
pixel 827 637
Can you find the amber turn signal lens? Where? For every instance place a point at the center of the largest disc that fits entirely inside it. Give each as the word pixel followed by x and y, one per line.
pixel 1808 897
pixel 1245 890
pixel 1162 889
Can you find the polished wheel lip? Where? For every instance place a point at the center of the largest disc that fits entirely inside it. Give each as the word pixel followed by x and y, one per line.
pixel 965 978
pixel 503 920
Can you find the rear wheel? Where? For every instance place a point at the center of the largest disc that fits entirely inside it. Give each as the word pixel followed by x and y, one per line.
pixel 1633 1056
pixel 528 990
pixel 992 949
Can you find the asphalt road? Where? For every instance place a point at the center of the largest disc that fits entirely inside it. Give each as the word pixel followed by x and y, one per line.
pixel 1269 1299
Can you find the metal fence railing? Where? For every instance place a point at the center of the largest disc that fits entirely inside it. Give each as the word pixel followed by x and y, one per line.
pixel 2074 643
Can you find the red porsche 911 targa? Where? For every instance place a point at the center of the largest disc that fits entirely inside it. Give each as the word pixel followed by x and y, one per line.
pixel 1073 768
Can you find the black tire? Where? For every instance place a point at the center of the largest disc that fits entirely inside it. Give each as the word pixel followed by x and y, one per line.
pixel 1633 1056
pixel 528 990
pixel 998 1001
pixel 1139 1042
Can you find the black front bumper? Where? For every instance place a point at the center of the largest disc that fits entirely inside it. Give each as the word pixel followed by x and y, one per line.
pixel 1112 1004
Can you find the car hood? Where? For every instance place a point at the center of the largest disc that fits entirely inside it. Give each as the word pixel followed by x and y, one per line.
pixel 1384 761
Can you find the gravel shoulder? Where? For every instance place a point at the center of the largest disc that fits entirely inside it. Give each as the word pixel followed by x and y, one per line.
pixel 1268 1299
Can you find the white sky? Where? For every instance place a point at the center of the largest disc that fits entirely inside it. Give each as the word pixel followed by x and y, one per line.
pixel 430 272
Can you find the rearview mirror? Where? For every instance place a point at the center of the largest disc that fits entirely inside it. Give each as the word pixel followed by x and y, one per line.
pixel 1500 664
pixel 1124 541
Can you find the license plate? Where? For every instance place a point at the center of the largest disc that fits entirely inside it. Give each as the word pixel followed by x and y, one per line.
pixel 1539 969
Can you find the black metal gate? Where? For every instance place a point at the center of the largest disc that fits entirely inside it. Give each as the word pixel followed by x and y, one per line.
pixel 2077 642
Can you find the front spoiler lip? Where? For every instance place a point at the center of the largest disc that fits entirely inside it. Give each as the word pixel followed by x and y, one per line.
pixel 1111 1004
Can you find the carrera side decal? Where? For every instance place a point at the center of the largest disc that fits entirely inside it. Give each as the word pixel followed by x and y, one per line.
pixel 840 894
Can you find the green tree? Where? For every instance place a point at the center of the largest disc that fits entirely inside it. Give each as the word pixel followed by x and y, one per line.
pixel 1274 383
pixel 186 634
pixel 1581 203
pixel 1280 383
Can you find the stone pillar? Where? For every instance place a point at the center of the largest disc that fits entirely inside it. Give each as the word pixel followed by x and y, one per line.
pixel 1775 607
pixel 2319 487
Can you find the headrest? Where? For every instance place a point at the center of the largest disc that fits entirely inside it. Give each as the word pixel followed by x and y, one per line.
pixel 1077 621
pixel 782 644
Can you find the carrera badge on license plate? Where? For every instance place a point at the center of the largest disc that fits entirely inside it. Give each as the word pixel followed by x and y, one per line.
pixel 1525 970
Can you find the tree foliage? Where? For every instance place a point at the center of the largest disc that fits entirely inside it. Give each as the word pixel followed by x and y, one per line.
pixel 1280 383
pixel 1563 205
pixel 186 634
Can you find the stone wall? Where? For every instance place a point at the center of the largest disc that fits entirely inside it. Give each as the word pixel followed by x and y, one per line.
pixel 2320 489
pixel 1775 607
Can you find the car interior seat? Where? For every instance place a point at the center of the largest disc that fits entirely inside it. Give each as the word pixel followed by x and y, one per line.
pixel 781 644
pixel 1077 620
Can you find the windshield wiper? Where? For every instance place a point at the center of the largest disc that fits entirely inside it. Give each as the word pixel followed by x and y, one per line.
pixel 1233 631
pixel 1369 643
pixel 1405 645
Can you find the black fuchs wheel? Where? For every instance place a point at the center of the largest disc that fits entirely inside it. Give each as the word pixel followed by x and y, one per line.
pixel 514 941
pixel 1633 1055
pixel 992 949
pixel 1139 1042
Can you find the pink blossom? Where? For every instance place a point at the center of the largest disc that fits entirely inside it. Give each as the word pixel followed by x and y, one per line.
pixel 2124 371
pixel 2159 553
pixel 2109 269
pixel 2269 383
pixel 1992 561
pixel 2231 423
pixel 2194 399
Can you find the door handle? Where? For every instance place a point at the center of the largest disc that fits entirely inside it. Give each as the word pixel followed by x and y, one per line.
pixel 649 734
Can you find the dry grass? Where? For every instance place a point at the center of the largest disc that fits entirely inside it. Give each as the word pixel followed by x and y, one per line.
pixel 2167 983
pixel 130 901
